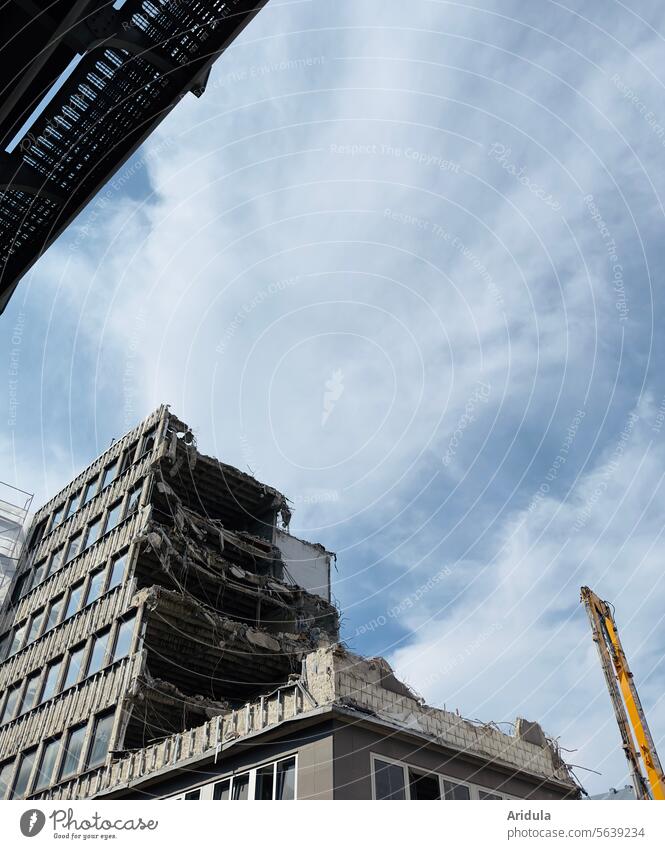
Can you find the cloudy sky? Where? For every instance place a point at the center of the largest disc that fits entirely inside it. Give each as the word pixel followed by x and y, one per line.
pixel 404 262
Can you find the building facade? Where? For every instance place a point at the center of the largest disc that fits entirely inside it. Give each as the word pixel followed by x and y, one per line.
pixel 165 636
pixel 151 595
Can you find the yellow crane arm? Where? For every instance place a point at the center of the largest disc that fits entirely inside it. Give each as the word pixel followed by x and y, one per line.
pixel 628 710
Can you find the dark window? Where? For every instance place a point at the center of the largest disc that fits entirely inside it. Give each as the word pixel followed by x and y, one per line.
pixel 117 571
pixel 74 666
pixel 134 498
pixel 388 780
pixel 101 738
pixel 108 475
pixel 10 704
pixel 99 647
pixel 286 779
pixel 265 777
pixel 95 586
pixel 453 790
pixel 240 786
pixel 38 533
pixel 39 574
pixel 73 750
pixel 57 516
pixel 75 595
pixel 4 645
pixel 56 560
pixel 46 768
pixel 127 458
pixel 123 640
pixel 89 491
pixel 73 547
pixel 35 626
pixel 5 775
pixel 17 639
pixel 483 794
pixel 30 693
pixel 25 770
pixel 221 789
pixel 148 441
pixel 21 587
pixel 113 516
pixel 423 786
pixel 94 531
pixel 73 504
pixel 54 613
pixel 193 794
pixel 51 682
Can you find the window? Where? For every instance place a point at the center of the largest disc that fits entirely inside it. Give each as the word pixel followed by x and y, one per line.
pixel 423 785
pixel 73 751
pixel 4 645
pixel 193 794
pixel 54 613
pixel 75 595
pixel 95 586
pixel 38 533
pixel 123 640
pixel 117 571
pixel 286 779
pixel 56 560
pixel 73 504
pixel 388 780
pixel 89 491
pixel 93 532
pixel 127 458
pixel 30 693
pixel 148 441
pixel 240 789
pixel 35 626
pixel 222 789
pixel 17 639
pixel 5 776
pixel 74 666
pixel 483 794
pixel 73 547
pixel 108 475
pixel 10 704
pixel 23 777
pixel 39 574
pixel 100 645
pixel 57 516
pixel 113 516
pixel 51 682
pixel 134 499
pixel 265 778
pixel 101 738
pixel 453 790
pixel 46 769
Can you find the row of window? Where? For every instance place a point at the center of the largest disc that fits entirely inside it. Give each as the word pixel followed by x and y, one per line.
pixel 276 780
pixel 94 486
pixel 57 759
pixel 80 662
pixel 96 528
pixel 397 780
pixel 80 595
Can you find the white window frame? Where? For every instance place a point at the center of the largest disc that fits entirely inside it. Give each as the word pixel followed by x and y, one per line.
pixel 474 789
pixel 207 790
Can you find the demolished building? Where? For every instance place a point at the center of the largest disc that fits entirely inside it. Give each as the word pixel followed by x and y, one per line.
pixel 166 636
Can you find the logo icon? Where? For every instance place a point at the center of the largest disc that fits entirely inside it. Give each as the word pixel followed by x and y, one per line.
pixel 32 822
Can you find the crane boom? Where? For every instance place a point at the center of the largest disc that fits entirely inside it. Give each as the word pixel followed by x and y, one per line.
pixel 625 700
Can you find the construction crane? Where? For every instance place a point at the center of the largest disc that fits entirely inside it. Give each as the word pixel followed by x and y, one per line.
pixel 635 734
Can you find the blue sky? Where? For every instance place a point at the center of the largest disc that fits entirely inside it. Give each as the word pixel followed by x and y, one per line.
pixel 406 267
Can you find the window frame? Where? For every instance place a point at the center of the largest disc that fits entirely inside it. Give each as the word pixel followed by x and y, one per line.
pixel 73 504
pixel 474 789
pixel 96 720
pixel 57 741
pixel 69 733
pixel 57 687
pixel 207 790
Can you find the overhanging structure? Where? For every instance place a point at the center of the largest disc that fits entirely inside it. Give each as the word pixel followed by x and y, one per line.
pixel 116 73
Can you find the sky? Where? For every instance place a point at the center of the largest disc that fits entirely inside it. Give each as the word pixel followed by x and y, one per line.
pixel 405 264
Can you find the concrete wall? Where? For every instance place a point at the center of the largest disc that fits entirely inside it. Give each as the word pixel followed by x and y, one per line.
pixel 307 563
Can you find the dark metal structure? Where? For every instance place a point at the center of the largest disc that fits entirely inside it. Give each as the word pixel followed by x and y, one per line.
pixel 82 84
